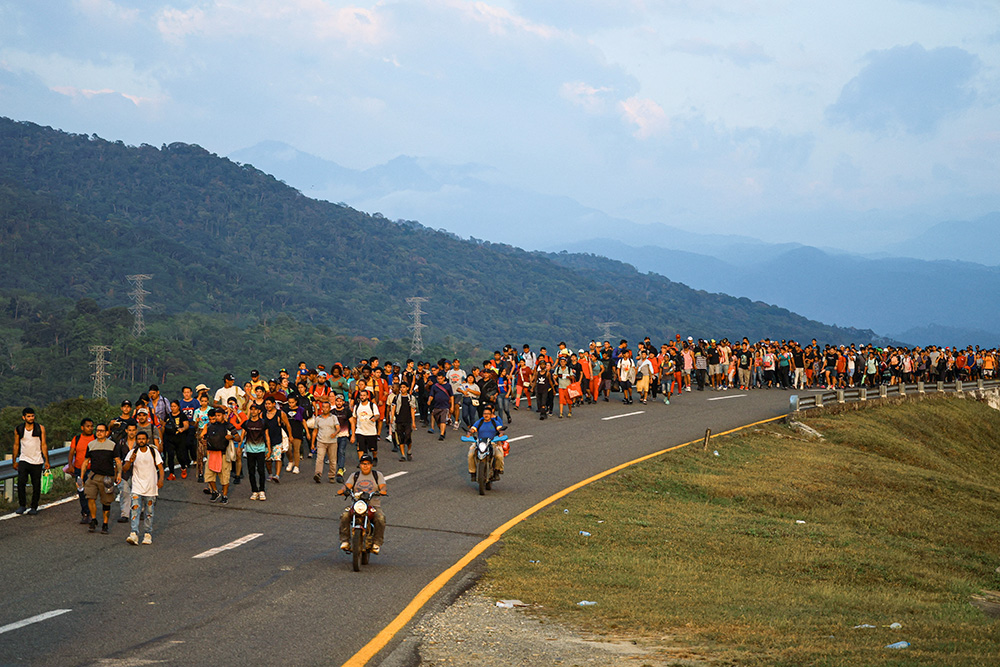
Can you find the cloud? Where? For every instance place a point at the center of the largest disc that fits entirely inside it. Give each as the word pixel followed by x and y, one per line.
pixel 648 116
pixel 743 53
pixel 594 100
pixel 907 87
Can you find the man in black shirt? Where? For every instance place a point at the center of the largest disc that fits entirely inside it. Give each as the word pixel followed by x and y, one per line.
pixel 218 433
pixel 104 462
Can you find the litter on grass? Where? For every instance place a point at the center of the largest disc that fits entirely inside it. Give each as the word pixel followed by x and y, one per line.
pixel 799 521
pixel 585 533
pixel 534 561
pixel 586 603
pixel 896 626
pixel 863 626
pixel 899 645
pixel 716 452
pixel 510 604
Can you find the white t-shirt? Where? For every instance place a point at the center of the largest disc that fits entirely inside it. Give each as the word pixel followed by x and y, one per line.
pixel 365 417
pixel 222 395
pixel 455 377
pixel 144 471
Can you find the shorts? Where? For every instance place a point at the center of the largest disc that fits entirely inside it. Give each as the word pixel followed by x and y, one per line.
pixel 367 444
pixel 94 488
pixel 222 476
pixel 714 369
pixel 440 415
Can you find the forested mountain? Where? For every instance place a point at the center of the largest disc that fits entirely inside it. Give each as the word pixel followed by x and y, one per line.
pixel 78 213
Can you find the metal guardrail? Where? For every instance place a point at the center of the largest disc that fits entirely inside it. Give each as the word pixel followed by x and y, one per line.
pixel 57 459
pixel 863 394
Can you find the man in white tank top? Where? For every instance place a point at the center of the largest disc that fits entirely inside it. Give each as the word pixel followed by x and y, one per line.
pixel 30 455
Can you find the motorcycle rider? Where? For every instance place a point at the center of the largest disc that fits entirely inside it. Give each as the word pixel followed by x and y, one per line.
pixel 486 427
pixel 366 480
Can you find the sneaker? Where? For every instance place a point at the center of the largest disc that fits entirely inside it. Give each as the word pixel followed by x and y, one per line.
pixel 316 478
pixel 276 479
pixel 254 496
pixel 236 480
pixel 214 497
pixel 224 500
pixel 666 401
pixel 206 491
pixel 201 478
pixel 261 496
pixel 132 538
pixel 440 438
pixel 184 473
pixel 288 468
pixel 171 477
pixel 123 519
pixel 687 388
pixel 147 538
pixel 345 546
pixel 295 470
pixel 104 529
pixel 84 519
pixel 21 510
pixel 402 458
pixel 93 526
pixel 340 478
pixel 375 549
pixel 33 511
pixel 409 457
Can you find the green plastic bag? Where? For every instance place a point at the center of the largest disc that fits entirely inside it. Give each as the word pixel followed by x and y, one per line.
pixel 47 481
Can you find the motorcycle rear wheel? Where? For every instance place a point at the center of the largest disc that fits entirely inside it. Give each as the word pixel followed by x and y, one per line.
pixel 357 548
pixel 481 476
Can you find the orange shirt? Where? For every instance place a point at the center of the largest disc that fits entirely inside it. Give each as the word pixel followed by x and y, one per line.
pixel 80 443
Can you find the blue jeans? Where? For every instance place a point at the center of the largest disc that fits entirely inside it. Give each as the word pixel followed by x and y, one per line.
pixel 142 504
pixel 503 407
pixel 342 442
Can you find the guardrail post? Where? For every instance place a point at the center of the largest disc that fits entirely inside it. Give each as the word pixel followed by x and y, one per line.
pixel 940 386
pixel 920 387
pixel 902 389
pixel 8 484
pixel 819 400
pixel 958 386
pixel 840 395
pixel 979 384
pixel 793 403
pixel 883 391
pixel 863 394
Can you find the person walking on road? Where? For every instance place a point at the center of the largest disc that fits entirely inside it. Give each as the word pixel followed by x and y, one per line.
pixel 31 456
pixel 146 466
pixel 103 462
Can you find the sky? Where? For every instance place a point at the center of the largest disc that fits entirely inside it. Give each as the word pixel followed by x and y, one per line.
pixel 766 118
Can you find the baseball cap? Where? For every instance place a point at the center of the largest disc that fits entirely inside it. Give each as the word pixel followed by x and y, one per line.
pixel 142 411
pixel 365 457
pixel 254 373
pixel 229 376
pixel 126 402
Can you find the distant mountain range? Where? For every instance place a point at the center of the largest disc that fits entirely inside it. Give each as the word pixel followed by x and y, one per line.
pixel 940 280
pixel 78 213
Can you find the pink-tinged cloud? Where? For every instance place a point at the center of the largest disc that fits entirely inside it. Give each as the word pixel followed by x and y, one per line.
pixel 500 21
pixel 86 93
pixel 649 117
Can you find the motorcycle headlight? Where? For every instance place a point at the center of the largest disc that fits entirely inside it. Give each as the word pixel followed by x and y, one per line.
pixel 360 507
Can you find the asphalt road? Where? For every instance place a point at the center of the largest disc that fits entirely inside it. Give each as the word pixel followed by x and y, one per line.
pixel 290 594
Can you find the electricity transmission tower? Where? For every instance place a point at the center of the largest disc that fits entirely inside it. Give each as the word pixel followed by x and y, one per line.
pixel 417 345
pixel 138 295
pixel 99 363
pixel 606 329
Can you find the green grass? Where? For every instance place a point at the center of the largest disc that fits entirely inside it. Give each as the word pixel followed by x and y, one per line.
pixel 61 487
pixel 901 507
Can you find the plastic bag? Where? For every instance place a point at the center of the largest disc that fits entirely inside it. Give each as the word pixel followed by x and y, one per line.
pixel 46 485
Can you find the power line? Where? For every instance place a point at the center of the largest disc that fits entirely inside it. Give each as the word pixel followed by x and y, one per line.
pixel 100 363
pixel 138 295
pixel 417 344
pixel 606 329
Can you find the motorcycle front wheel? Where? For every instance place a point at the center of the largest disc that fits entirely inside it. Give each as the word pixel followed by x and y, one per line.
pixel 357 548
pixel 481 476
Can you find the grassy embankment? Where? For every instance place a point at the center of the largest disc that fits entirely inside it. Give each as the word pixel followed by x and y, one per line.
pixel 901 506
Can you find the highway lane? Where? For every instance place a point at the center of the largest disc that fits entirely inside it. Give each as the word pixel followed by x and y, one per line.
pixel 290 593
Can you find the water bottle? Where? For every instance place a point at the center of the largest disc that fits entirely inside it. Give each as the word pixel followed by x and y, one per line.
pixel 899 645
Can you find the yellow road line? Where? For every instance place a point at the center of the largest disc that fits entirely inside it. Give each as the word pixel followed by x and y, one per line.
pixel 371 649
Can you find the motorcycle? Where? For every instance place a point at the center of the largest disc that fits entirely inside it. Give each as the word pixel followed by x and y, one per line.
pixel 362 528
pixel 485 475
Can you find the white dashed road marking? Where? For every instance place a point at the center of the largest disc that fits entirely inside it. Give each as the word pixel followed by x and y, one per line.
pixel 520 437
pixel 627 414
pixel 397 474
pixel 722 398
pixel 34 619
pixel 226 547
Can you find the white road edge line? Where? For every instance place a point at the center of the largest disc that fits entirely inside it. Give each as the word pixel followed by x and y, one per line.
pixel 722 398
pixel 231 545
pixel 34 619
pixel 42 507
pixel 627 414
pixel 397 474
pixel 520 437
